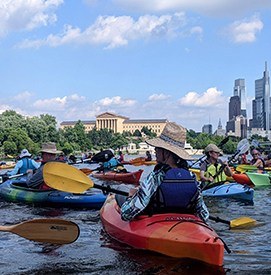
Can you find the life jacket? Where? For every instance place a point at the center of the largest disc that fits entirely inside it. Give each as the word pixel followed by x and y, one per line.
pixel 27 164
pixel 177 194
pixel 212 170
pixel 254 161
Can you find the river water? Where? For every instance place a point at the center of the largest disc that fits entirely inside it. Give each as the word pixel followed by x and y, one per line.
pixel 96 253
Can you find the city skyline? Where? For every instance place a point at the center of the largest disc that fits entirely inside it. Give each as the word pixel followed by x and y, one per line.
pixel 141 59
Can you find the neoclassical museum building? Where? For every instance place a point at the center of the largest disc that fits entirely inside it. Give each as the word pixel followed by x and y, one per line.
pixel 119 123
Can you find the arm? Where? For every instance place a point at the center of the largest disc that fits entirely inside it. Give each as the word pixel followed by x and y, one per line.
pixel 33 181
pixel 203 169
pixel 227 169
pixel 136 204
pixel 16 168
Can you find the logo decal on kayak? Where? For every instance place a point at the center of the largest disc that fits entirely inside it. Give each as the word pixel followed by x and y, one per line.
pixel 58 228
pixel 179 218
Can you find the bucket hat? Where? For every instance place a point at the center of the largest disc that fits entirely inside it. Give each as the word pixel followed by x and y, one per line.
pixel 212 148
pixel 173 139
pixel 49 148
pixel 24 153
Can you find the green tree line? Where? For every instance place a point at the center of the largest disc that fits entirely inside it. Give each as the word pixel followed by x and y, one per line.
pixel 17 133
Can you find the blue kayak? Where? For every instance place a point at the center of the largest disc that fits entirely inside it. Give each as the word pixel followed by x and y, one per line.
pixel 17 191
pixel 231 189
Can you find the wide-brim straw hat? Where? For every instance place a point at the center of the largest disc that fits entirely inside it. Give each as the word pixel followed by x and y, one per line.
pixel 24 153
pixel 173 139
pixel 49 148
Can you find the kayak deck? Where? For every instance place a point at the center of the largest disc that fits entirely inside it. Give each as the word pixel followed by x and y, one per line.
pixel 175 235
pixel 130 177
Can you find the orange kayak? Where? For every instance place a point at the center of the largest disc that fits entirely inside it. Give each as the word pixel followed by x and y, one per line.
pixel 130 177
pixel 175 235
pixel 243 179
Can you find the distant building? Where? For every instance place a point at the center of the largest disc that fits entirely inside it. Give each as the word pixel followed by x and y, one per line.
pixel 207 129
pixel 234 107
pixel 261 103
pixel 119 123
pixel 240 91
pixel 237 127
pixel 219 131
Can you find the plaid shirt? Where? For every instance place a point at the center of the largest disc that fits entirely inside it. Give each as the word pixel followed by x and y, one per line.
pixel 136 204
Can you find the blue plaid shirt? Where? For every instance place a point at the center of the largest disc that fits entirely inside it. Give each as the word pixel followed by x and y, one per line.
pixel 136 204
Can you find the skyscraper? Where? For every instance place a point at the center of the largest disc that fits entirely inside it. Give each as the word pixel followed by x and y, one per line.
pixel 234 107
pixel 261 103
pixel 241 91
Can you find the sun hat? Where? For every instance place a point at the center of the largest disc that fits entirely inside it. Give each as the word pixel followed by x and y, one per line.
pixel 173 139
pixel 49 148
pixel 212 148
pixel 24 153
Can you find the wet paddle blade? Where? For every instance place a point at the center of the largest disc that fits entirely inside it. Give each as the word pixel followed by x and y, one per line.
pixel 54 231
pixel 67 178
pixel 242 222
pixel 137 161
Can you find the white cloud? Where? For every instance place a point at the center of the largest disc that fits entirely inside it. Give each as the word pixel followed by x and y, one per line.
pixel 211 97
pixel 18 15
pixel 117 31
pixel 221 8
pixel 245 30
pixel 156 97
pixel 116 101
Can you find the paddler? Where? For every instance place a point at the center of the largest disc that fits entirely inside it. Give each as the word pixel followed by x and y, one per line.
pixel 211 165
pixel 170 187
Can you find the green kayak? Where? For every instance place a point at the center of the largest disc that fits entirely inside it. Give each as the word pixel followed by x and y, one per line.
pixel 260 180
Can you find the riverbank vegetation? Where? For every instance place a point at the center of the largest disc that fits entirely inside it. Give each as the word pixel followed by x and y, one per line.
pixel 17 133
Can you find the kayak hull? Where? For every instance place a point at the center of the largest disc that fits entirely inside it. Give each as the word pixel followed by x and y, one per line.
pixel 232 190
pixel 11 191
pixel 260 180
pixel 175 235
pixel 243 179
pixel 130 177
pixel 8 165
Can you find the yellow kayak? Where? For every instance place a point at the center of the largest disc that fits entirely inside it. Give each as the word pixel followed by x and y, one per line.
pixel 8 165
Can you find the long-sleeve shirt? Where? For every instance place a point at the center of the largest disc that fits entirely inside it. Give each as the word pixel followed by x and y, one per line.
pixel 20 164
pixel 136 204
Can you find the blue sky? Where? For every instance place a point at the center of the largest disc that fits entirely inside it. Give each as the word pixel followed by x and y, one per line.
pixel 141 59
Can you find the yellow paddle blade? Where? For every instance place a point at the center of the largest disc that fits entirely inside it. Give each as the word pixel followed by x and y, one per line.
pixel 137 162
pixel 64 177
pixel 242 222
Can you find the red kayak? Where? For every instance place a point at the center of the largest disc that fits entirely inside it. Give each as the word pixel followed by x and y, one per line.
pixel 130 177
pixel 175 235
pixel 243 179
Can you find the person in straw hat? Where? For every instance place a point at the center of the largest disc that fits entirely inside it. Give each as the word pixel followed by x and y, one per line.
pixel 170 187
pixel 48 153
pixel 211 165
pixel 25 162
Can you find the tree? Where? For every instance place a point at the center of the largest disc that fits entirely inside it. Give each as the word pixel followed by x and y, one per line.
pixel 10 147
pixel 146 130
pixel 137 133
pixel 118 141
pixel 67 148
pixel 48 119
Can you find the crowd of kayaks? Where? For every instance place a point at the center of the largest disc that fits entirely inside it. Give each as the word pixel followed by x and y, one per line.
pixel 176 235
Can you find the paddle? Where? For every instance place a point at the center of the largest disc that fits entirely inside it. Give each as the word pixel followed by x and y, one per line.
pixel 4 178
pixel 54 231
pixel 240 222
pixel 242 147
pixel 67 178
pixel 224 141
pixel 256 144
pixel 246 168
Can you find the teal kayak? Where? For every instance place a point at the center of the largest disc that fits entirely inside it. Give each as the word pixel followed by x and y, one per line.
pixel 231 190
pixel 17 191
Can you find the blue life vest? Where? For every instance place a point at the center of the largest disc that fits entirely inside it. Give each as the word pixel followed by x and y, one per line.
pixel 27 164
pixel 177 194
